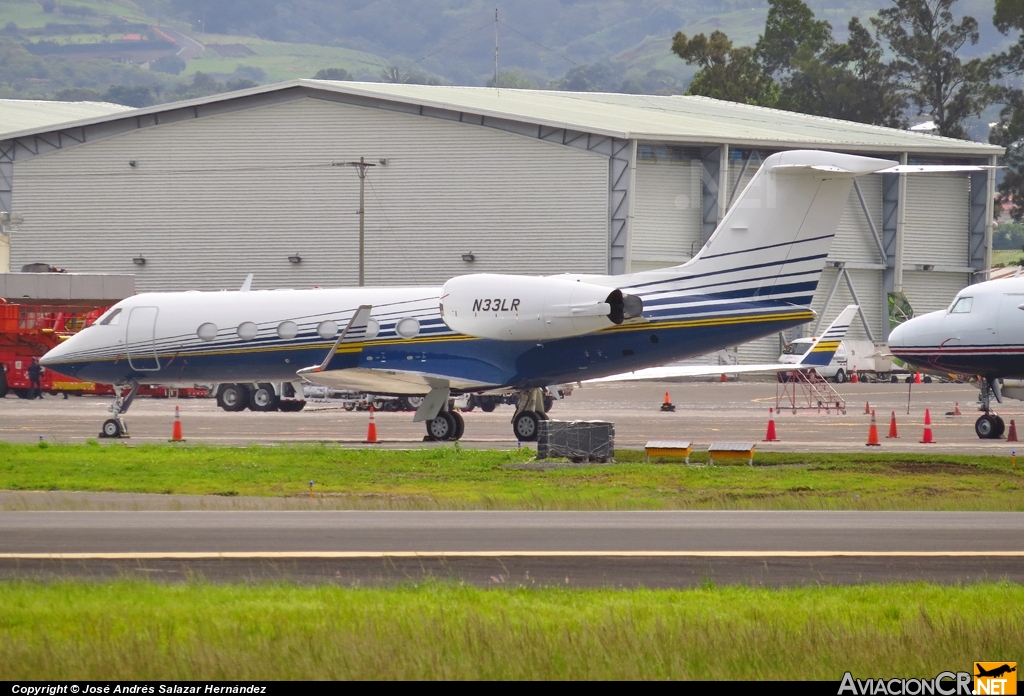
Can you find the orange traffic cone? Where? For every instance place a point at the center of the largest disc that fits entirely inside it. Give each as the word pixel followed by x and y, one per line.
pixel 956 409
pixel 873 433
pixel 724 378
pixel 176 430
pixel 371 430
pixel 917 378
pixel 927 438
pixel 892 427
pixel 1012 435
pixel 668 405
pixel 867 408
pixel 854 379
pixel 770 436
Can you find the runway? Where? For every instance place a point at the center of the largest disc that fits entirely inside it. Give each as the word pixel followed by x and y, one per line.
pixel 652 549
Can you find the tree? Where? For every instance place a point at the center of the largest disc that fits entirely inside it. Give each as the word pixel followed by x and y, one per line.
pixel 848 81
pixel 1009 131
pixel 170 64
pixel 732 74
pixel 925 40
pixel 790 27
pixel 339 74
pixel 129 95
pixel 587 78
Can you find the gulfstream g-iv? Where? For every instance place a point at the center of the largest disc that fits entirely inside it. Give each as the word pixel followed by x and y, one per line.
pixel 755 277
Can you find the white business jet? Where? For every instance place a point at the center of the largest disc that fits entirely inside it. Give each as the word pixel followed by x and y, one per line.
pixel 755 277
pixel 980 333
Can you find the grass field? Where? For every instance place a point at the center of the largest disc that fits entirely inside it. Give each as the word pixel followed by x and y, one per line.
pixel 129 630
pixel 453 478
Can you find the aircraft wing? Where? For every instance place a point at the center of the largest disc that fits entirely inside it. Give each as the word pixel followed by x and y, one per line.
pixel 382 381
pixel 819 354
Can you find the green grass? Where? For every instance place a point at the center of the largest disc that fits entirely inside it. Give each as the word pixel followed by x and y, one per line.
pixel 1007 257
pixel 285 61
pixel 137 630
pixel 454 478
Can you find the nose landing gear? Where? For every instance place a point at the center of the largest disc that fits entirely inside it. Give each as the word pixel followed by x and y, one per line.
pixel 116 427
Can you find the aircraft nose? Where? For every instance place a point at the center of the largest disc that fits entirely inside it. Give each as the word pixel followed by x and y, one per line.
pixel 56 354
pixel 897 336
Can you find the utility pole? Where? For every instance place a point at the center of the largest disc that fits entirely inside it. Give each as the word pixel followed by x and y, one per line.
pixel 361 167
pixel 495 47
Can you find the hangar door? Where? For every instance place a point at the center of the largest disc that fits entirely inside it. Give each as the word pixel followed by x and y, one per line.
pixel 666 227
pixel 937 225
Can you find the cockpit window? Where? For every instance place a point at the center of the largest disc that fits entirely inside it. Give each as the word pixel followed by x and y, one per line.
pixel 962 305
pixel 111 319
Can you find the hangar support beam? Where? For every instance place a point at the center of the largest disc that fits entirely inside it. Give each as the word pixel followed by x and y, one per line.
pixel 979 243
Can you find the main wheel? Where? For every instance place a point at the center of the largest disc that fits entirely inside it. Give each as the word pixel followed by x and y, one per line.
pixel 263 398
pixel 524 426
pixel 111 428
pixel 233 397
pixel 1000 427
pixel 840 377
pixel 411 403
pixel 985 427
pixel 442 427
pixel 460 425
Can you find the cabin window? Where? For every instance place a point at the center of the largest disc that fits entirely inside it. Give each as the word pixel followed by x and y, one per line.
pixel 112 318
pixel 327 329
pixel 287 330
pixel 962 305
pixel 408 328
pixel 372 328
pixel 247 330
pixel 207 331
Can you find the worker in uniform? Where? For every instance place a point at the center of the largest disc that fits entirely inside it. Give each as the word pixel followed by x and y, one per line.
pixel 35 373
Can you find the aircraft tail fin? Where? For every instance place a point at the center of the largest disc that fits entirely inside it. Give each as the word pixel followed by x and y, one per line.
pixel 773 242
pixel 824 348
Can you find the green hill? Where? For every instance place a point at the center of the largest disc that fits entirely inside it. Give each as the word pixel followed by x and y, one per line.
pixel 50 46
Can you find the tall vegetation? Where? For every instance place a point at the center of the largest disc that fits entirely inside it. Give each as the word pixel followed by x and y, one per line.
pixel 798 65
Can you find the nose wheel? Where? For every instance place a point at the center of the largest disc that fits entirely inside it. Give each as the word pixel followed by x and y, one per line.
pixel 116 427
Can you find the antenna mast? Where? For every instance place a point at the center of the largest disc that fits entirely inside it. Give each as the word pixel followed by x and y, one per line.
pixel 495 47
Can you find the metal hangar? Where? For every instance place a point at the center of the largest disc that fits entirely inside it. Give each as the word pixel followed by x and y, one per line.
pixel 196 194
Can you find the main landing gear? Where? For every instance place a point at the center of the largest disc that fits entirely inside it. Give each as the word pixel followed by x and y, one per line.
pixel 989 426
pixel 124 396
pixel 529 412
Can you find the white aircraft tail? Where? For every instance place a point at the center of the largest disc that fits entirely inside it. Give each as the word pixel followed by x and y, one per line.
pixel 773 242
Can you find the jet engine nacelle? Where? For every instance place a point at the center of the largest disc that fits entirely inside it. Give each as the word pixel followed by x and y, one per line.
pixel 527 308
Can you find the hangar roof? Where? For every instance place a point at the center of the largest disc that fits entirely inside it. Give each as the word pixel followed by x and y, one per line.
pixel 678 119
pixel 669 118
pixel 22 114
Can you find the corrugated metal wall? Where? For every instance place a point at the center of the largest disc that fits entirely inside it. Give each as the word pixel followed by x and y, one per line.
pixel 938 207
pixel 928 291
pixel 666 214
pixel 215 198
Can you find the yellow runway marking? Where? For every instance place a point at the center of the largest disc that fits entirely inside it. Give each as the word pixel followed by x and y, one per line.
pixel 284 555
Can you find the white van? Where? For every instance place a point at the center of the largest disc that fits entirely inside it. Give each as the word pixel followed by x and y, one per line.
pixel 859 356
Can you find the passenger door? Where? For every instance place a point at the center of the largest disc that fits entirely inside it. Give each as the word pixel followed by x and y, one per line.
pixel 140 339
